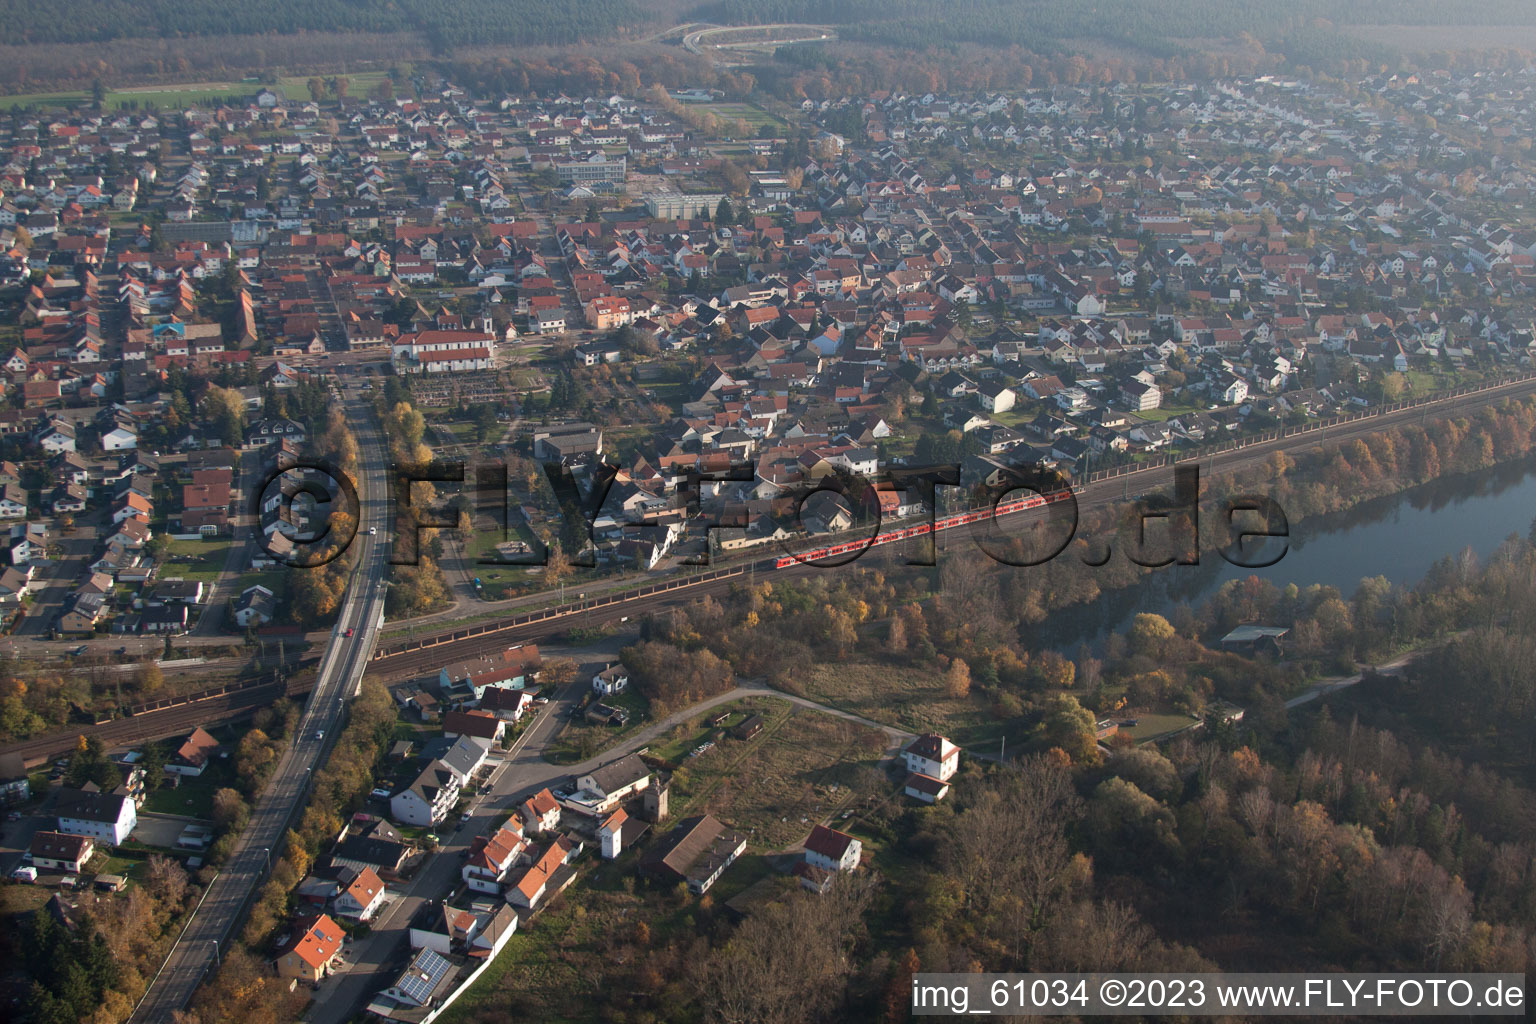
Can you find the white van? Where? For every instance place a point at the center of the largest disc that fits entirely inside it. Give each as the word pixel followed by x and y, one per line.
pixel 25 874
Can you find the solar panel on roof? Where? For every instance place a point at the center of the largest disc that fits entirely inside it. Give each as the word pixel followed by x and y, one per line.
pixel 422 976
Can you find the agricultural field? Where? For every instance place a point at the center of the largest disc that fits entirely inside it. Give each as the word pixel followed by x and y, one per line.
pixel 176 97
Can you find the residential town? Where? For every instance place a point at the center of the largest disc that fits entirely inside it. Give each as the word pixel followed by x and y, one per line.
pixel 668 338
pixel 1073 278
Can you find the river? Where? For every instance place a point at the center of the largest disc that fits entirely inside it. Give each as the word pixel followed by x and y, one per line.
pixel 1398 537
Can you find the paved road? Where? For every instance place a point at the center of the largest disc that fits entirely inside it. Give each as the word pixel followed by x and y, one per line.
pixel 339 677
pixel 210 622
pixel 54 581
pixel 1326 686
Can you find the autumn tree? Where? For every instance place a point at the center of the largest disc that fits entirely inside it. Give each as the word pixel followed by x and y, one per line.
pixel 1068 725
pixel 1150 634
pixel 957 679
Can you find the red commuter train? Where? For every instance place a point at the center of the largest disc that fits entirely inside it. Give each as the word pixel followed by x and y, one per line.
pixel 853 547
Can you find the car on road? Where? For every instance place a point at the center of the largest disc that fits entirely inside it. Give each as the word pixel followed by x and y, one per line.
pixel 77 651
pixel 373 531
pixel 350 631
pixel 319 734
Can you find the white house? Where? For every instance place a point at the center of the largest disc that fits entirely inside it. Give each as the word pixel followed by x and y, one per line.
pixel 428 800
pixel 533 886
pixel 540 812
pixel 492 857
pixel 934 756
pixel 612 679
pixel 831 850
pixel 119 439
pixel 13 502
pixel 104 817
pixel 362 897
pixel 605 788
pixel 996 397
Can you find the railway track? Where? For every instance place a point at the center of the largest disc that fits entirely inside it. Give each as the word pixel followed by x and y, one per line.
pixel 166 722
pixel 397 660
pixel 414 656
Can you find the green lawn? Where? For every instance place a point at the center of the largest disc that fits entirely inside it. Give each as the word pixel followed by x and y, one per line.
pixel 755 116
pixel 194 797
pixel 1166 412
pixel 272 579
pixel 196 559
pixel 1151 727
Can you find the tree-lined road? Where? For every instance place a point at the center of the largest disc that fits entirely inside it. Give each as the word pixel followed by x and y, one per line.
pixel 211 927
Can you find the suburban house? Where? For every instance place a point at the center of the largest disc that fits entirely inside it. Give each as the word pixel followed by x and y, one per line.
pixel 427 800
pixel 105 817
pixel 831 850
pixel 55 851
pixel 540 812
pixel 996 396
pixel 15 785
pixel 513 668
pixel 612 679
pixel 424 983
pixel 505 703
pixel 478 931
pixel 479 723
pixel 465 757
pixel 307 953
pixel 604 788
pixel 697 852
pixel 193 755
pixel 370 843
pixel 932 755
pixel 362 895
pixel 543 878
pixel 931 762
pixel 256 606
pixel 492 857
